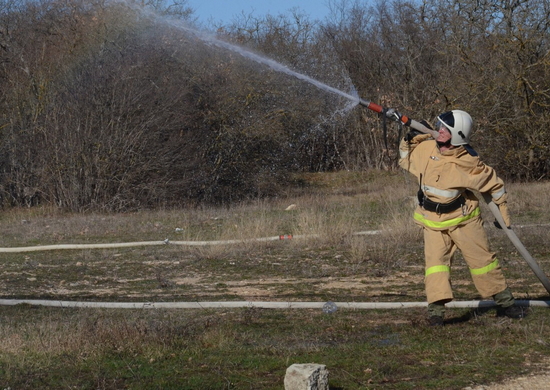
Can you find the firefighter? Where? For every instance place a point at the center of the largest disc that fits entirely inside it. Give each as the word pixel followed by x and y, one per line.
pixel 448 170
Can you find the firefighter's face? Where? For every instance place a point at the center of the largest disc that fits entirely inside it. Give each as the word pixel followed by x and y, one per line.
pixel 444 135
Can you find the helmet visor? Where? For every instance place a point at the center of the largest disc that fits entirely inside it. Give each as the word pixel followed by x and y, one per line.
pixel 447 119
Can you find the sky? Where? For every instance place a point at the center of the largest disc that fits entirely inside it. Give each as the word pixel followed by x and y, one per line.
pixel 225 11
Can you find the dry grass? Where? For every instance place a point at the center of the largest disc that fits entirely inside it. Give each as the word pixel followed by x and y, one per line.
pixel 115 349
pixel 530 200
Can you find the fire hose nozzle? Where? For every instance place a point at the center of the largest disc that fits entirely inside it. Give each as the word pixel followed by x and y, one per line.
pixel 371 106
pixel 399 118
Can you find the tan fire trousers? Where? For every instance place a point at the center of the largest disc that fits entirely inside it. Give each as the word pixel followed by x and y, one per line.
pixel 471 240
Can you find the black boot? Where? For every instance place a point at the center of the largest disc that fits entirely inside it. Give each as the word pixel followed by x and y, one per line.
pixel 506 305
pixel 436 312
pixel 435 321
pixel 513 311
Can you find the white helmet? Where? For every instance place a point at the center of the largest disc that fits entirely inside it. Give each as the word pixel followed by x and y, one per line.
pixel 460 125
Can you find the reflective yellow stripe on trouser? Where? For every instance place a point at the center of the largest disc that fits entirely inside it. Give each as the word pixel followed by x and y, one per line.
pixel 438 268
pixel 439 279
pixel 484 270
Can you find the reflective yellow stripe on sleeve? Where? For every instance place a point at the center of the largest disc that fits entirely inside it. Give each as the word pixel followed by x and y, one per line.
pixel 445 224
pixel 438 268
pixel 484 270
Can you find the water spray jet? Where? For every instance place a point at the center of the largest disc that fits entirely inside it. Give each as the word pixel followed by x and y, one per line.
pixel 277 66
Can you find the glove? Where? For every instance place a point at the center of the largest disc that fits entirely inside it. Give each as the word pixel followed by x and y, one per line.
pixel 411 134
pixel 503 208
pixel 393 114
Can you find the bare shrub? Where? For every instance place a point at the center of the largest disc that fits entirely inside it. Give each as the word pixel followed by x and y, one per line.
pixel 107 109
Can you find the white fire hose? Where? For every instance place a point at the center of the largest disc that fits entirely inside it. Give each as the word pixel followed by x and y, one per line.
pixel 328 307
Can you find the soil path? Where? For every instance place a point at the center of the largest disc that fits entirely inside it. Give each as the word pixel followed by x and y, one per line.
pixel 532 382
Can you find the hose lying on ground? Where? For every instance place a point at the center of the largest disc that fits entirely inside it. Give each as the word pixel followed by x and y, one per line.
pixel 164 242
pixel 257 304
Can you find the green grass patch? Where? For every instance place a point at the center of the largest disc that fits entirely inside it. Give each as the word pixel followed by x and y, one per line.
pixel 251 348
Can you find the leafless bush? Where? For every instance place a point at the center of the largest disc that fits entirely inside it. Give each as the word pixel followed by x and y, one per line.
pixel 107 109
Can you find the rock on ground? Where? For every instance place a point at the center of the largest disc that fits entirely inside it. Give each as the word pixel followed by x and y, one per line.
pixel 307 376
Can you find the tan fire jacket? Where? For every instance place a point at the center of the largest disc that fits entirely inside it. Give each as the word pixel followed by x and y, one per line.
pixel 445 176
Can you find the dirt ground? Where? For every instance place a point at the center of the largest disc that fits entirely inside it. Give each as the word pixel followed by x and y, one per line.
pixel 532 382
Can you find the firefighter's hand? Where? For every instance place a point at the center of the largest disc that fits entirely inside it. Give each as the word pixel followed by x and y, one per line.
pixel 393 114
pixel 503 208
pixel 411 134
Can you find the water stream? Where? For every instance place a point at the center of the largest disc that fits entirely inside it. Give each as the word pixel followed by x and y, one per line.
pixel 266 61
pixel 210 39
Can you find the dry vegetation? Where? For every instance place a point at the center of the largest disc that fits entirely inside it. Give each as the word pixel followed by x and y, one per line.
pixel 251 348
pixel 106 108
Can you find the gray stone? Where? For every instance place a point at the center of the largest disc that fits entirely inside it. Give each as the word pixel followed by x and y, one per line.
pixel 307 376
